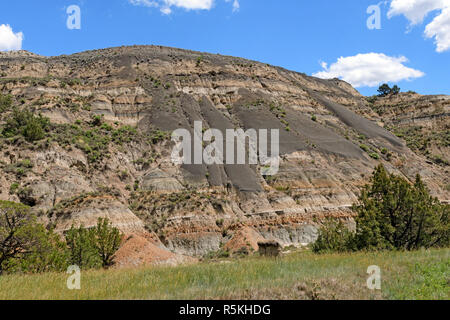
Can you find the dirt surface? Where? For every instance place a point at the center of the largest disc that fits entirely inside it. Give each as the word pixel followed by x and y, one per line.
pixel 140 250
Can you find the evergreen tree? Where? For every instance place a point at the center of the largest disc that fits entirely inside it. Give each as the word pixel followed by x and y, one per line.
pixel 395 90
pixel 80 242
pixel 393 214
pixel 94 247
pixel 25 245
pixel 107 241
pixel 384 90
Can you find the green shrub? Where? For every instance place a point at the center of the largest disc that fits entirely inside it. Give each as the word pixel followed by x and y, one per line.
pixel 82 251
pixel 219 254
pixel 94 142
pixel 20 168
pixel 25 245
pixel 93 248
pixel 124 135
pixel 13 188
pixel 199 60
pixel 25 123
pixel 48 254
pixel 372 99
pixel 33 130
pixel 106 127
pixel 5 102
pixel 97 120
pixel 375 156
pixel 159 136
pixel 364 147
pixel 333 236
pixel 106 241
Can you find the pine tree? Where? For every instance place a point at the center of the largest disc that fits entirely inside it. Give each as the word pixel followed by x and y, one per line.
pixel 384 90
pixel 107 241
pixel 393 214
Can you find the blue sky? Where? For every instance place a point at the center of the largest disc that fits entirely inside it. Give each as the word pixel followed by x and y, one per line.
pixel 296 34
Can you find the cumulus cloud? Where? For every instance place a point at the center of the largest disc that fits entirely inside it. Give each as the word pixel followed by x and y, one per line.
pixel 10 40
pixel 416 11
pixel 166 5
pixel 439 29
pixel 369 69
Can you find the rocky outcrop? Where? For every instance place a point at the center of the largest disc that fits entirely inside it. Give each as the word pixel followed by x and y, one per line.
pixel 107 152
pixel 138 250
pixel 86 209
pixel 423 121
pixel 245 240
pixel 158 180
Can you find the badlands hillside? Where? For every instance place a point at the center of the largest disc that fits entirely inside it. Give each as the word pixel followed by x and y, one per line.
pixel 106 150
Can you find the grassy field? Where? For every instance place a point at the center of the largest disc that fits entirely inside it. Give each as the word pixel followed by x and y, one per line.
pixel 299 275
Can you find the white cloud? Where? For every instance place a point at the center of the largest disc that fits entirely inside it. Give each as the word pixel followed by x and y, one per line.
pixel 10 40
pixel 369 69
pixel 166 10
pixel 439 29
pixel 190 4
pixel 166 5
pixel 416 11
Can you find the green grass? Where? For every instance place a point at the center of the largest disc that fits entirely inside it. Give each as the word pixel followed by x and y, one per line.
pixel 300 275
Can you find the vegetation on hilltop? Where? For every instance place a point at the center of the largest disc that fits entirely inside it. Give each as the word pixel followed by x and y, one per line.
pixel 385 90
